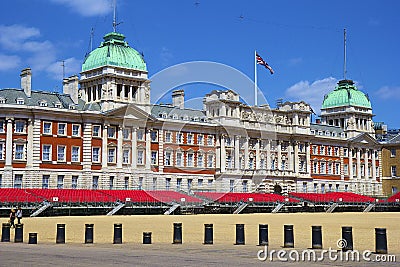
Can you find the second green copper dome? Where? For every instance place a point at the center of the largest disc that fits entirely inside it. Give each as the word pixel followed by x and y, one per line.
pixel 114 51
pixel 346 94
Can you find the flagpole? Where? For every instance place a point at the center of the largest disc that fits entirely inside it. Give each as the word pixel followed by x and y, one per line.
pixel 255 78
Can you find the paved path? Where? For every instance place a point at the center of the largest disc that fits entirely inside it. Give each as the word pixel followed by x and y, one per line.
pixel 12 254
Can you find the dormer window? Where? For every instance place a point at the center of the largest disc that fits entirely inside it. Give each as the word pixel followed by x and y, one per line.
pixel 175 117
pixel 43 103
pixel 57 105
pixel 72 107
pixel 2 100
pixel 20 101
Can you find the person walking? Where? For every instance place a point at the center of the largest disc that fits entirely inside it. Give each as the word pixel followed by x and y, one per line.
pixel 19 215
pixel 12 218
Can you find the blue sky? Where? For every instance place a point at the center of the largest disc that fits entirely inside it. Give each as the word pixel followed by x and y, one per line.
pixel 301 40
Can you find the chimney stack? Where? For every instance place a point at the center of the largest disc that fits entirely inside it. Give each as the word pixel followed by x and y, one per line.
pixel 26 81
pixel 70 87
pixel 178 98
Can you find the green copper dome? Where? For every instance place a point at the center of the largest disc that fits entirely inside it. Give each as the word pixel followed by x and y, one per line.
pixel 114 51
pixel 346 94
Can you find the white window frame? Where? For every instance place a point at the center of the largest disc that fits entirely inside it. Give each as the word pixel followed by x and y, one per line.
pixel 74 181
pixel 179 159
pixel 210 140
pixel 154 160
pixel 75 157
pixel 23 155
pixel 190 159
pixel 17 129
pixel 2 146
pixel 126 156
pixel 79 130
pixel 154 136
pixel 111 155
pixel 20 180
pixel 200 139
pixel 20 101
pixel 112 132
pixel 64 131
pixel 126 133
pixel 140 135
pixel 168 157
pixel 168 137
pixel 190 138
pixel 210 163
pixel 63 159
pixel 179 138
pixel 140 157
pixel 99 131
pixel 98 155
pixel 49 152
pixel 200 160
pixel 50 132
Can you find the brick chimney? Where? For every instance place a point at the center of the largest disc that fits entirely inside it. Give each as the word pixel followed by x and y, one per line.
pixel 70 87
pixel 26 81
pixel 178 99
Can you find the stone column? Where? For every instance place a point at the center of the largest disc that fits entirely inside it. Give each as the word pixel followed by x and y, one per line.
pixel 237 152
pixel 258 154
pixel 373 165
pixel 148 149
pixel 9 143
pixel 218 152
pixel 29 148
pixel 161 151
pixel 290 156
pixel 268 158
pixel 358 163
pixel 246 153
pixel 279 153
pixel 119 147
pixel 134 149
pixel 308 157
pixel 351 174
pixel 104 148
pixel 366 164
pixel 223 153
pixel 296 158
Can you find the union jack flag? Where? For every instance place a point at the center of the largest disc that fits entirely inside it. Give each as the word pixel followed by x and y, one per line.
pixel 261 61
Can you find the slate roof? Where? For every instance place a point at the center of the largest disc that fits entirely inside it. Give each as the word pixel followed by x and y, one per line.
pixel 51 98
pixel 173 113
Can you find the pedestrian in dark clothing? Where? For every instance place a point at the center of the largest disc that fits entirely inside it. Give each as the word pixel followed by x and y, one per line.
pixel 12 218
pixel 19 215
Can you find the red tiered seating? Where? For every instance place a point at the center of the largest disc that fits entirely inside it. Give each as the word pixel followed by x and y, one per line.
pixel 245 197
pixel 14 195
pixel 172 196
pixel 333 197
pixel 139 196
pixel 210 195
pixel 394 198
pixel 70 195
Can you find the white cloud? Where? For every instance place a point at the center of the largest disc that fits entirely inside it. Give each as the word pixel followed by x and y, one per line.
pixel 87 8
pixel 9 62
pixel 13 36
pixel 387 92
pixel 40 55
pixel 312 93
pixel 166 56
pixel 295 61
pixel 72 66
